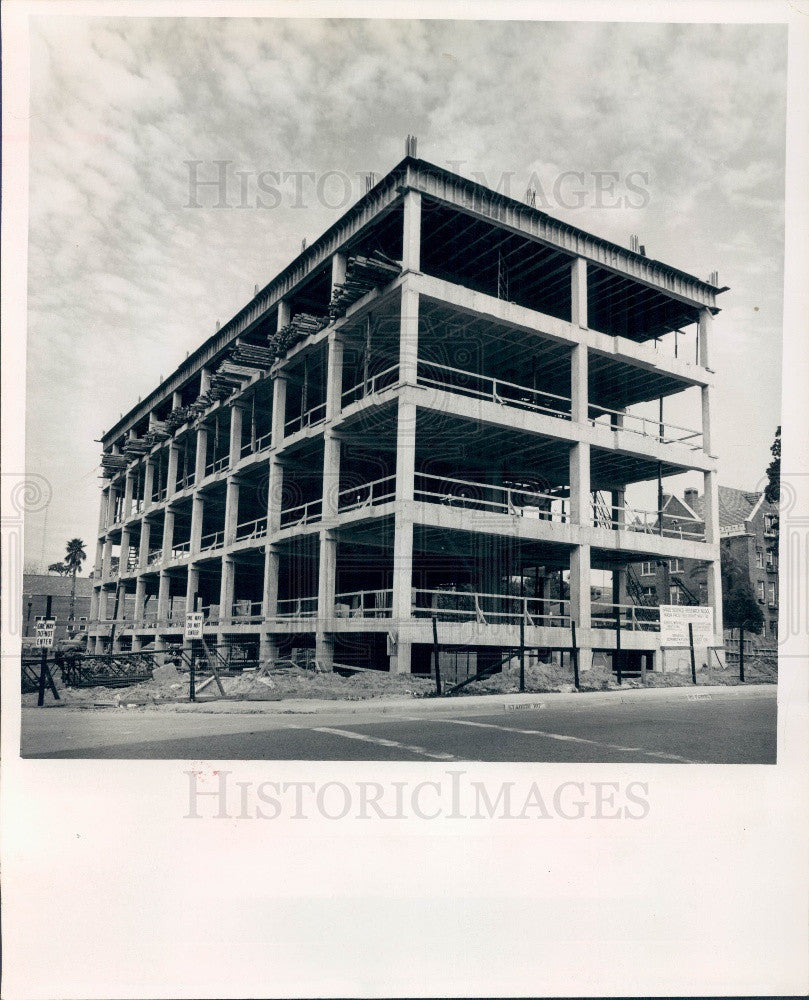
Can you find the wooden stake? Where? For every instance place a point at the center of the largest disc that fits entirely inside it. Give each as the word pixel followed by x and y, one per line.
pixel 691 648
pixel 435 656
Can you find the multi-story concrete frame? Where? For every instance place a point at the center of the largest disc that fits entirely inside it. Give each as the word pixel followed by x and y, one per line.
pixel 452 429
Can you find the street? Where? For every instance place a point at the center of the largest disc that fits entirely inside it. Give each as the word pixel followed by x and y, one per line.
pixel 720 727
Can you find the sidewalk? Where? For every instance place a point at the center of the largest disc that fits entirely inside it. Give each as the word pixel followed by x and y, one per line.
pixel 477 704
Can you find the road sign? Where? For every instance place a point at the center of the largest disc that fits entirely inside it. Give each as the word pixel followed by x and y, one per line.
pixel 674 621
pixel 46 629
pixel 193 625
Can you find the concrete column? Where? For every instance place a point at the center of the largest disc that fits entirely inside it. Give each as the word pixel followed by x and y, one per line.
pixel 163 596
pixel 704 334
pixel 140 598
pixel 580 586
pixel 403 529
pixel 93 617
pixel 98 565
pixel 578 384
pixel 581 504
pixel 168 534
pixel 191 587
pixel 197 508
pixel 707 398
pixel 274 495
pixel 204 380
pixel 148 484
pixel 176 399
pixel 334 378
pixel 338 270
pixel 103 509
pixel 327 575
pixel 618 500
pixel 124 552
pixel 279 409
pixel 201 455
pixel 619 588
pixel 145 536
pixel 267 648
pixel 236 417
pixel 106 566
pixel 103 602
pixel 578 293
pixel 284 315
pixel 713 569
pixel 269 600
pixel 128 489
pixel 411 236
pixel 331 475
pixel 226 589
pixel 171 471
pixel 409 335
pixel 231 509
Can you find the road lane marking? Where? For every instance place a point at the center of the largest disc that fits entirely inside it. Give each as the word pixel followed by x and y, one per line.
pixel 563 738
pixel 379 741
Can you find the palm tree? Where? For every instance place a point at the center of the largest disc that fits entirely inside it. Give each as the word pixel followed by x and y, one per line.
pixel 74 557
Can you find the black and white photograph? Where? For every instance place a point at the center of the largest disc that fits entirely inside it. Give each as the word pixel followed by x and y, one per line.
pixel 398 401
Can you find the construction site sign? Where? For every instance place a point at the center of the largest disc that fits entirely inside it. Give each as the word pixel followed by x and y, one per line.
pixel 674 621
pixel 46 629
pixel 193 625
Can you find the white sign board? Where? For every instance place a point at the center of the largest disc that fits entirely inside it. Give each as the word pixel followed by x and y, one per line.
pixel 46 628
pixel 193 625
pixel 674 619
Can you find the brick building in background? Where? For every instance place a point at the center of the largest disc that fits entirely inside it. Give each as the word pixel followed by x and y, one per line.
pixel 47 595
pixel 748 536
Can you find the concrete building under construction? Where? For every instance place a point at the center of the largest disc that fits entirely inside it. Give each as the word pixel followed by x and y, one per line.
pixel 434 412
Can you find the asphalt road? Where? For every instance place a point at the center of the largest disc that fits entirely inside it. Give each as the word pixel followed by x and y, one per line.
pixel 719 728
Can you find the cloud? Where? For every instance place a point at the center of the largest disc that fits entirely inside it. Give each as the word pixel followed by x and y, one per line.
pixel 124 278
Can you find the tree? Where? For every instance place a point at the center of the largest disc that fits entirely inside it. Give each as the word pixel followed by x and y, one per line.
pixel 740 608
pixel 772 491
pixel 74 557
pixel 61 568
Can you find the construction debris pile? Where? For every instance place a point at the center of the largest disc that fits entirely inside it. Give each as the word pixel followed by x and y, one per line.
pixel 362 275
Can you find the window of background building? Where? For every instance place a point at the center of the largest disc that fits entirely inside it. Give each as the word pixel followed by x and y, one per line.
pixel 759 559
pixel 760 591
pixel 773 595
pixel 647 569
pixel 703 593
pixel 649 591
pixel 676 565
pixel 675 595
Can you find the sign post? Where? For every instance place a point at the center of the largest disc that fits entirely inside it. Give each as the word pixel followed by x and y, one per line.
pixel 574 655
pixel 522 654
pixel 193 630
pixel 691 647
pixel 46 629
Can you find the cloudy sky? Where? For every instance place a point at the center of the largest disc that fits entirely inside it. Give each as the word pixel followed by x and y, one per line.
pixel 126 275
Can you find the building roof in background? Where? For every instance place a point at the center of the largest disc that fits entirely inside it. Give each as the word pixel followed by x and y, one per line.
pixel 735 506
pixel 55 585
